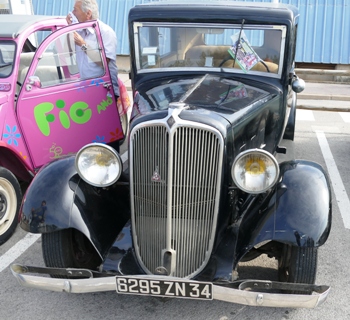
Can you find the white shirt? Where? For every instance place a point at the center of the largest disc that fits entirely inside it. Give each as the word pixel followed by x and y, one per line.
pixel 87 67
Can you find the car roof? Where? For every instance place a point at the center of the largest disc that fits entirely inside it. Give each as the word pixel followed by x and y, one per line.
pixel 220 11
pixel 222 3
pixel 11 25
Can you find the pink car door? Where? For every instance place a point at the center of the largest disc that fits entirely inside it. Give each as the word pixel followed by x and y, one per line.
pixel 59 111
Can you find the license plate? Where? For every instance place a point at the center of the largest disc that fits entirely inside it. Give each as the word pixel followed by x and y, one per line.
pixel 165 288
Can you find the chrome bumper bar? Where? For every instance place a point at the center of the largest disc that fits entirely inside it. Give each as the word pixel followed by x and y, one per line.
pixel 241 295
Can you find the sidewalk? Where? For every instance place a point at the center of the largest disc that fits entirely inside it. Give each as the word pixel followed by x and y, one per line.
pixel 325 96
pixel 316 96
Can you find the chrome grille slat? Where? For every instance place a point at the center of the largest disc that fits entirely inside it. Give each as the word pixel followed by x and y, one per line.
pixel 176 214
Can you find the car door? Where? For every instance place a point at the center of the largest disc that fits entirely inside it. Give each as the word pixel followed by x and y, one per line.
pixel 58 109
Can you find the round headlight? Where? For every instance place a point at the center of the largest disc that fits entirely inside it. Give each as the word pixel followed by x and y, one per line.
pixel 255 171
pixel 98 164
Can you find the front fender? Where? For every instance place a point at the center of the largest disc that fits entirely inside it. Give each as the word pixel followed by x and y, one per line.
pixel 299 211
pixel 302 206
pixel 59 199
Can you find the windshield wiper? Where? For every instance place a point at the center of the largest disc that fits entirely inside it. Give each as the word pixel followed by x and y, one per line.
pixel 229 57
pixel 238 42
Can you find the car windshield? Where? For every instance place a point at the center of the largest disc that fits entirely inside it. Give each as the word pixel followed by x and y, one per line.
pixel 7 55
pixel 237 48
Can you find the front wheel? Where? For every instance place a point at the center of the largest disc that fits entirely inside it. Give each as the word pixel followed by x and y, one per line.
pixel 69 248
pixel 10 200
pixel 298 265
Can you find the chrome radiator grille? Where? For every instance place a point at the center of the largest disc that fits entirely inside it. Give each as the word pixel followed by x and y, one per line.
pixel 175 176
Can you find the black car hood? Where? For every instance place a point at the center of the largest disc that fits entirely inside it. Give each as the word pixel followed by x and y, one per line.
pixel 210 93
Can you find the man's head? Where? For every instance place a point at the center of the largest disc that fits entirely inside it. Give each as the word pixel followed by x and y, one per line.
pixel 86 10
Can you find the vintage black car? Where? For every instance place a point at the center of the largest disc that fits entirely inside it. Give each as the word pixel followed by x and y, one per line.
pixel 211 179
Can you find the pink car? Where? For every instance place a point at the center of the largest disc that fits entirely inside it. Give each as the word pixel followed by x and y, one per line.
pixel 47 110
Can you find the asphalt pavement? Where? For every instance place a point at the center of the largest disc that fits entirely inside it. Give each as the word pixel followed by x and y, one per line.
pixel 324 96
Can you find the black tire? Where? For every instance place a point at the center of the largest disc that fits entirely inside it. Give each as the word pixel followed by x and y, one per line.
pixel 10 201
pixel 298 265
pixel 69 248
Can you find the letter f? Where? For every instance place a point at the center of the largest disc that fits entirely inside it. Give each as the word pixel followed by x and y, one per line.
pixel 42 120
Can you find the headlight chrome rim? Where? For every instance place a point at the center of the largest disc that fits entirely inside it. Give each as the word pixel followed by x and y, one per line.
pixel 110 164
pixel 263 171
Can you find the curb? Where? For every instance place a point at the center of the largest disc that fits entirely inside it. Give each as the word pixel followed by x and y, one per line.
pixel 315 96
pixel 324 105
pixel 322 108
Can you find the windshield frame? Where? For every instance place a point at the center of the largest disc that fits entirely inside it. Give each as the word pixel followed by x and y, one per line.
pixel 154 50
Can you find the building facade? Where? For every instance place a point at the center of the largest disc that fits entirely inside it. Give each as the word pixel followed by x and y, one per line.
pixel 323 35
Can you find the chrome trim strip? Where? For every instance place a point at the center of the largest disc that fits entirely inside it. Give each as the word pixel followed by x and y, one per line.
pixel 226 71
pixel 239 296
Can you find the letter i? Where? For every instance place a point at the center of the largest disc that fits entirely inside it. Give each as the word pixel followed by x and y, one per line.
pixel 63 115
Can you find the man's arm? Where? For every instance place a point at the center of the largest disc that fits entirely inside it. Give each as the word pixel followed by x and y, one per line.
pixel 93 54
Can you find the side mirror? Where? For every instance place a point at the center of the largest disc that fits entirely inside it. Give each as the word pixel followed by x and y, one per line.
pixel 298 85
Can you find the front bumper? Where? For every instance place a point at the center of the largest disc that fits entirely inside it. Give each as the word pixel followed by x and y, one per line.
pixel 246 292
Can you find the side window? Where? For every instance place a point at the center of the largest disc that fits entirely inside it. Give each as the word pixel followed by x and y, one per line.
pixel 35 39
pixel 27 53
pixel 64 62
pixel 7 56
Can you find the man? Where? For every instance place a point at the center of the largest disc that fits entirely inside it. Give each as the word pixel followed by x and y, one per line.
pixel 88 58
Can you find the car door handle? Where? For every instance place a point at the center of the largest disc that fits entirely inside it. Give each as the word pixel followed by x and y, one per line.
pixel 107 85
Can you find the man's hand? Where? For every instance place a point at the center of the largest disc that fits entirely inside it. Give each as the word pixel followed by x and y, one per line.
pixel 78 39
pixel 69 19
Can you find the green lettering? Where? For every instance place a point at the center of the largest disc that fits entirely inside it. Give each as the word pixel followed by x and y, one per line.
pixel 42 120
pixel 80 113
pixel 64 119
pixel 104 104
pixel 60 104
pixel 100 108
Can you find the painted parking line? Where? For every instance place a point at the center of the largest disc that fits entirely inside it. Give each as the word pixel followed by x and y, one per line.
pixel 124 156
pixel 25 243
pixel 304 115
pixel 20 247
pixel 337 183
pixel 345 116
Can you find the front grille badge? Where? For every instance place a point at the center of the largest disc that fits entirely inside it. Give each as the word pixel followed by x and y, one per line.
pixel 156 176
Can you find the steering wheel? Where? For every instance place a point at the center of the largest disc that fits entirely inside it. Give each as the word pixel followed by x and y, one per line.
pixel 225 60
pixel 229 57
